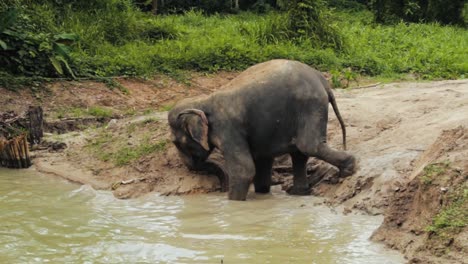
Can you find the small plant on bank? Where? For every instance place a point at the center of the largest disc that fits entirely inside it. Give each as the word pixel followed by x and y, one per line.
pixel 100 112
pixel 166 107
pixel 454 216
pixel 126 155
pixel 78 112
pixel 431 171
pixel 149 120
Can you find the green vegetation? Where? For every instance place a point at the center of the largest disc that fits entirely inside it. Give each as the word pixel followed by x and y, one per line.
pixel 166 107
pixel 454 213
pixel 78 112
pixel 107 147
pixel 100 39
pixel 126 155
pixel 149 120
pixel 442 11
pixel 454 216
pixel 434 170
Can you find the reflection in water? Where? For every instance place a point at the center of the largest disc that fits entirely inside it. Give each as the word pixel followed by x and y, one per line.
pixel 44 219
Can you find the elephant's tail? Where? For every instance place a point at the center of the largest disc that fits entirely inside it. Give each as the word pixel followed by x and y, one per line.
pixel 331 99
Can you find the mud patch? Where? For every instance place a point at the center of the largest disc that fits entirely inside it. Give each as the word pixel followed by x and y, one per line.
pixel 440 175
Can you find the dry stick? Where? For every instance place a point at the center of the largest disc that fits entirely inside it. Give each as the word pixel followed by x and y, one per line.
pixel 366 86
pixel 15 149
pixel 18 149
pixel 26 147
pixel 18 153
pixel 22 152
pixel 10 155
pixel 2 153
pixel 5 153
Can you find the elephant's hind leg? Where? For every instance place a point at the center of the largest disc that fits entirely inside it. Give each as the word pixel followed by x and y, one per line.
pixel 300 185
pixel 312 141
pixel 341 159
pixel 263 170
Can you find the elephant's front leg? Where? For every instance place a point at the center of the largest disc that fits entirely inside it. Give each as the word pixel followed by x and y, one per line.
pixel 241 170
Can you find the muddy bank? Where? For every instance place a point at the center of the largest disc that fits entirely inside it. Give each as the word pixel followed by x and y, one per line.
pixel 429 213
pixel 394 129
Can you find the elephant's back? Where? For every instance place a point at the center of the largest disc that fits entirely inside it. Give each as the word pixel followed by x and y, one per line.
pixel 273 75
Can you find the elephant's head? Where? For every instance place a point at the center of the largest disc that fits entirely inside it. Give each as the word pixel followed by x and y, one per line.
pixel 189 129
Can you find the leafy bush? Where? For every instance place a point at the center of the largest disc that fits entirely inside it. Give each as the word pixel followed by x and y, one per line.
pixel 100 39
pixel 311 19
pixel 24 51
pixel 442 11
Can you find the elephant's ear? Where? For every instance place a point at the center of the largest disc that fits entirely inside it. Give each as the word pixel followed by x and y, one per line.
pixel 196 125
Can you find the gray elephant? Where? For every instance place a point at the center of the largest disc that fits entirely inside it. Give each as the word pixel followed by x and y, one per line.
pixel 272 108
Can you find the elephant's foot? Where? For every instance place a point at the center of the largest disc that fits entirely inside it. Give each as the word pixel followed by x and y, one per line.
pixel 349 167
pixel 295 190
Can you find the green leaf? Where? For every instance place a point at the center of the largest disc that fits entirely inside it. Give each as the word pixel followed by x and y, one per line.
pixel 57 65
pixel 7 18
pixel 3 44
pixel 61 50
pixel 70 71
pixel 66 38
pixel 67 66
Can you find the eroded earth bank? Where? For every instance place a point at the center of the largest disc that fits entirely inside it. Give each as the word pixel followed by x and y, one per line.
pixel 411 140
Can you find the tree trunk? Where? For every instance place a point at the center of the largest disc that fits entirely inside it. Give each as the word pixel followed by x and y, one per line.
pixel 35 124
pixel 154 7
pixel 236 4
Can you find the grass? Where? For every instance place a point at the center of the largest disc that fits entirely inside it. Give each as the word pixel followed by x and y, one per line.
pixel 434 170
pixel 166 107
pixel 78 112
pixel 122 41
pixel 454 216
pixel 126 155
pixel 426 50
pixel 149 120
pixel 235 42
pixel 121 153
pixel 126 144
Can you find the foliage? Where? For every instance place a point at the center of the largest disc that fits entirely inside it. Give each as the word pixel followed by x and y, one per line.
pixel 343 78
pixel 78 112
pixel 108 147
pixel 442 11
pixel 426 51
pixel 310 18
pixel 454 215
pixel 25 51
pixel 433 170
pixel 99 39
pixel 126 155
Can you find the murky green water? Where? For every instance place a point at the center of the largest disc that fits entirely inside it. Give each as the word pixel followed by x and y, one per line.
pixel 44 219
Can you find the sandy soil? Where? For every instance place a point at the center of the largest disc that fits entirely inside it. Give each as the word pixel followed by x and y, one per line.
pixel 395 130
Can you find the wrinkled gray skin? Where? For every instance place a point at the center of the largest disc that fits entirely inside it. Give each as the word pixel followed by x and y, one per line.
pixel 271 109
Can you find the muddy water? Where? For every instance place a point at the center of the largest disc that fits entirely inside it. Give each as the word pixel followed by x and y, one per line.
pixel 44 219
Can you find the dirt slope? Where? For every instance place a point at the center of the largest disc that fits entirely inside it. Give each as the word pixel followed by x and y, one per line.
pixel 388 128
pixel 437 189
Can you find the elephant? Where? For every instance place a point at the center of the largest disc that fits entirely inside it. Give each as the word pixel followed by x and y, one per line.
pixel 273 108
